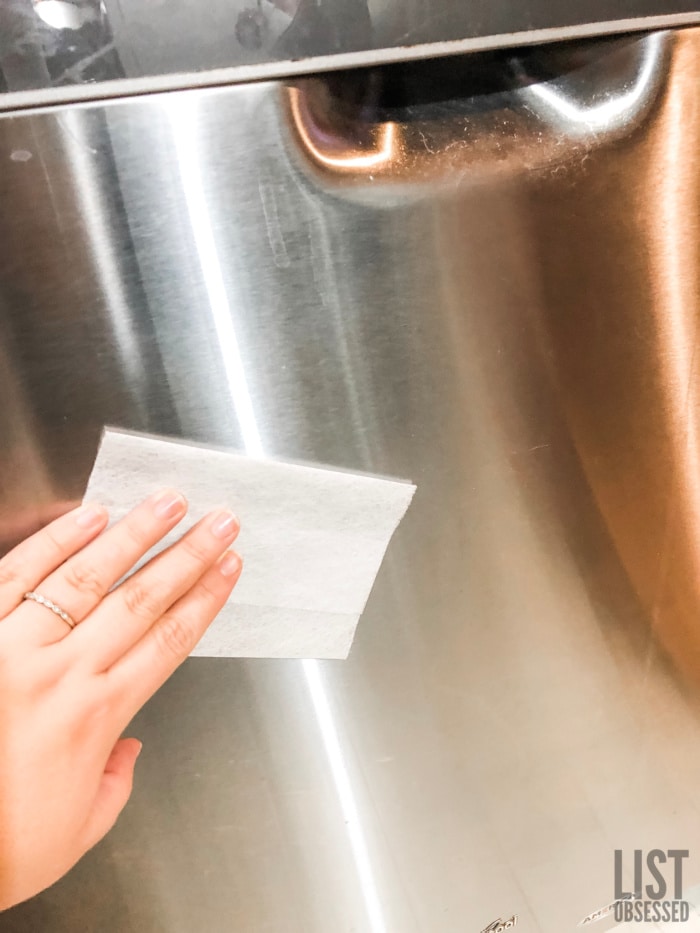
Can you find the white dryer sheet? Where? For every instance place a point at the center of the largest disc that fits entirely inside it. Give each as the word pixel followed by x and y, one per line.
pixel 312 539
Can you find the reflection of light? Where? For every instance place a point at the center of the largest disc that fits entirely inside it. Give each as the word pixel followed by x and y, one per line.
pixel 183 123
pixel 675 232
pixel 381 155
pixel 343 788
pixel 59 14
pixel 605 114
pixel 89 186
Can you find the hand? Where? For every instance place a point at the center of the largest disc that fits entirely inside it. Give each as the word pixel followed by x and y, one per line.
pixel 67 694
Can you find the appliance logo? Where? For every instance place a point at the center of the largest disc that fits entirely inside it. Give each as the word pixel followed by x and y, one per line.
pixel 500 926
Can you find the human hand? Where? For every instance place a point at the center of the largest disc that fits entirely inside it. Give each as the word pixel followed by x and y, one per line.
pixel 67 694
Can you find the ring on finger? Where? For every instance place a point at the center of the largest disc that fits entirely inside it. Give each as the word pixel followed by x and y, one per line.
pixel 52 606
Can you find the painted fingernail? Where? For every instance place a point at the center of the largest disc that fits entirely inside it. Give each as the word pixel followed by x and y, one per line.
pixel 169 504
pixel 224 525
pixel 90 516
pixel 230 564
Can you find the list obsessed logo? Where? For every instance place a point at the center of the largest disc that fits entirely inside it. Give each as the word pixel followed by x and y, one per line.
pixel 657 887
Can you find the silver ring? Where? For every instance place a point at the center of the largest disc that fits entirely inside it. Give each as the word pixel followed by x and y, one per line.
pixel 49 604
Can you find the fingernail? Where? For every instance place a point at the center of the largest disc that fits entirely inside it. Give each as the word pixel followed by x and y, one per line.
pixel 139 750
pixel 230 564
pixel 224 525
pixel 90 516
pixel 169 504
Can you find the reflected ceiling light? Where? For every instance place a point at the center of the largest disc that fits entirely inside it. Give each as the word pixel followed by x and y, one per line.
pixel 354 159
pixel 183 124
pixel 618 106
pixel 183 118
pixel 346 796
pixel 61 14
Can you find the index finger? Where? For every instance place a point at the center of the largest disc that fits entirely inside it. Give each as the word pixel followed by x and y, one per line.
pixel 86 578
pixel 24 567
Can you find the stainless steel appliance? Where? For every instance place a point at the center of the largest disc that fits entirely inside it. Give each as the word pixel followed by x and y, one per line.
pixel 480 272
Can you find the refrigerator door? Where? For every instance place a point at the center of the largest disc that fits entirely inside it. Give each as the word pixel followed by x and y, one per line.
pixel 481 274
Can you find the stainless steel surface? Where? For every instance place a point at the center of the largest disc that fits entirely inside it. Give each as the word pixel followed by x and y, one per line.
pixel 483 275
pixel 68 50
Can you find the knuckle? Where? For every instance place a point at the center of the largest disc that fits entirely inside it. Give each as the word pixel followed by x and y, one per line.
pixel 136 533
pixel 196 549
pixel 175 637
pixel 84 578
pixel 54 544
pixel 209 592
pixel 141 601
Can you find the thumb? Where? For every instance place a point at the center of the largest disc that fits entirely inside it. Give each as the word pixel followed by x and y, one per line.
pixel 113 792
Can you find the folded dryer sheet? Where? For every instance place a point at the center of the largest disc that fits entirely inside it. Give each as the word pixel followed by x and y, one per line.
pixel 312 539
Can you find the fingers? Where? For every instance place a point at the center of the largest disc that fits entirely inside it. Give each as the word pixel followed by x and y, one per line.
pixel 33 560
pixel 125 616
pixel 83 580
pixel 149 663
pixel 113 792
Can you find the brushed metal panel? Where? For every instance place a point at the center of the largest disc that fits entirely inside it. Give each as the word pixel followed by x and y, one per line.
pixel 482 275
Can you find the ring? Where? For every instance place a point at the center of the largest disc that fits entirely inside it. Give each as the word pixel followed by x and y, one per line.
pixel 49 604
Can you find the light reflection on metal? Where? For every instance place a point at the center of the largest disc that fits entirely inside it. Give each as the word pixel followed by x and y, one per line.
pixel 88 186
pixel 343 786
pixel 352 142
pixel 183 117
pixel 617 107
pixel 60 14
pixel 352 160
pixel 675 237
